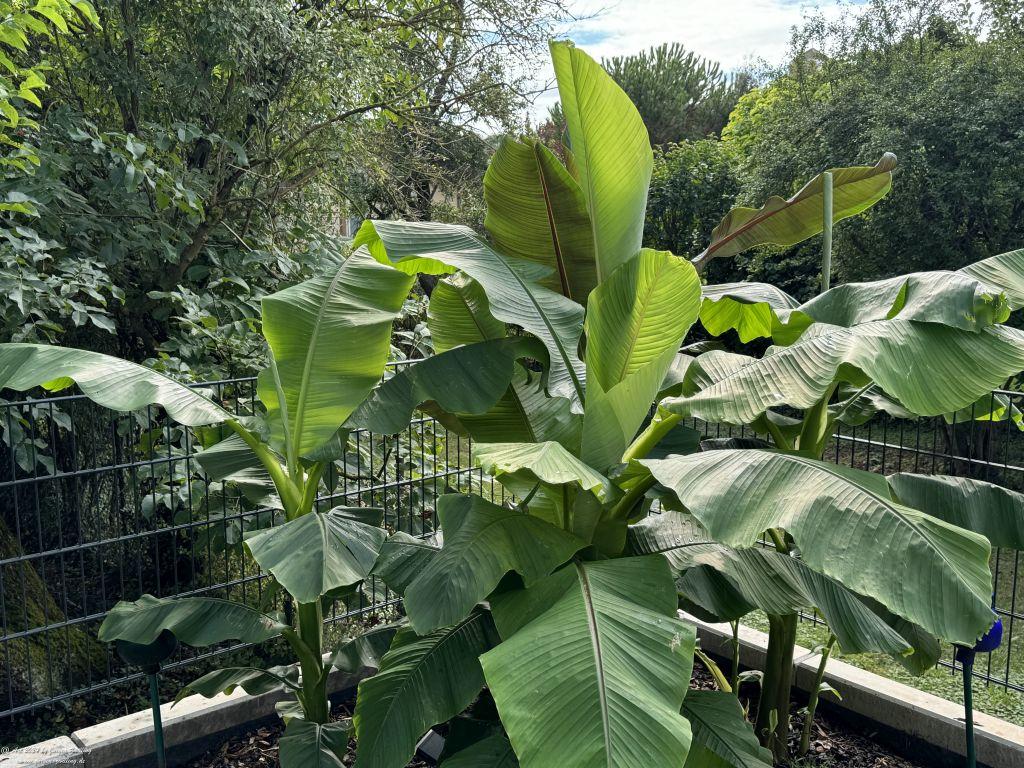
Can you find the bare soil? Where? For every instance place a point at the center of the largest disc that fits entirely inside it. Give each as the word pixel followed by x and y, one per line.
pixel 834 744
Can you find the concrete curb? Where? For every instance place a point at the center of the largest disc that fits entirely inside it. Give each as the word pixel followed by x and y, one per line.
pixel 191 727
pixel 896 706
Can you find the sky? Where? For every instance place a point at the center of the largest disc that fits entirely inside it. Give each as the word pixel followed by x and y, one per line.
pixel 730 32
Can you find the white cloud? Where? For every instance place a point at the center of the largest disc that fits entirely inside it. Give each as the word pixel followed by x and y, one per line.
pixel 730 32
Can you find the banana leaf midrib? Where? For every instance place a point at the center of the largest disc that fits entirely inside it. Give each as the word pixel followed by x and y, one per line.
pixel 300 411
pixel 595 639
pixel 448 635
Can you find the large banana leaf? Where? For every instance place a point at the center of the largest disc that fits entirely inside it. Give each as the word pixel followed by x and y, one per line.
pixel 930 369
pixel 330 338
pixel 422 681
pixel 994 512
pixel 233 461
pixel 728 583
pixel 546 462
pixel 109 381
pixel 512 286
pixel 403 557
pixel 195 621
pixel 335 551
pixel 847 527
pixel 306 744
pixel 536 211
pixel 787 222
pixel 464 380
pixel 365 651
pixel 612 153
pixel 971 298
pixel 1005 272
pixel 482 542
pixel 459 314
pixel 252 680
pixel 721 733
pixel 616 665
pixel 636 320
pixel 753 310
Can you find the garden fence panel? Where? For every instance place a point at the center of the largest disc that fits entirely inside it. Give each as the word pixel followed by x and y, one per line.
pixel 97 507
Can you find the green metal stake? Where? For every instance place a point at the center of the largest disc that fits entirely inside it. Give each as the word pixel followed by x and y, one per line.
pixel 826 232
pixel 158 726
pixel 149 657
pixel 988 643
pixel 968 663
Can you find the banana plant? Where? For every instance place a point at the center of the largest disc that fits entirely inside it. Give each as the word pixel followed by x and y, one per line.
pixel 328 341
pixel 544 630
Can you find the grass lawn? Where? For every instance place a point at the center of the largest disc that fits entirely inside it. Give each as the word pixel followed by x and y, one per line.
pixel 991 698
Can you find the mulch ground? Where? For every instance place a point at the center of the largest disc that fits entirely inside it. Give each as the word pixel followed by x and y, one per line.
pixel 834 745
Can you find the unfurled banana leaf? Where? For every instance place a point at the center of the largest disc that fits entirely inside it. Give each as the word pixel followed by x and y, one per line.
pixel 536 211
pixel 721 734
pixel 930 369
pixel 318 552
pixel 787 222
pixel 195 621
pixel 482 542
pixel 493 751
pixel 616 665
pixel 459 314
pixel 636 320
pixel 250 679
pixel 108 381
pixel 422 681
pixel 403 557
pixel 311 745
pixel 681 440
pixel 728 583
pixel 330 338
pixel 948 298
pixel 975 297
pixel 546 462
pixel 612 153
pixel 365 651
pixel 464 380
pixel 994 512
pixel 512 286
pixel 992 406
pixel 847 527
pixel 233 461
pixel 857 405
pixel 1003 272
pixel 753 310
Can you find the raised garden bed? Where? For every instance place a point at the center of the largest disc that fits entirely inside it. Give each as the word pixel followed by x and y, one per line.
pixel 835 743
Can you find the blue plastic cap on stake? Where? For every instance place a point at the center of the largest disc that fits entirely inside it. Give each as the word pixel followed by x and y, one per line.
pixel 991 639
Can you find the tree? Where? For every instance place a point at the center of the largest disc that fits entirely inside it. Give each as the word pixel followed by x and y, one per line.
pixel 199 152
pixel 679 94
pixel 915 77
pixel 694 184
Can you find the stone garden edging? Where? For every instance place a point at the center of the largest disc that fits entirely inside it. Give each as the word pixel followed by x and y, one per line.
pixel 900 708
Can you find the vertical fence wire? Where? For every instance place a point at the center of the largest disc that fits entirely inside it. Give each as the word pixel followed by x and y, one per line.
pixel 97 507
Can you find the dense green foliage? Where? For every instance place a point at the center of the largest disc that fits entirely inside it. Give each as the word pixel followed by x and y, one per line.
pixel 918 78
pixel 680 95
pixel 194 155
pixel 694 184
